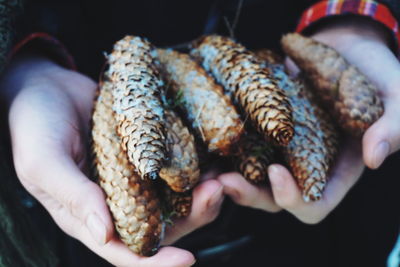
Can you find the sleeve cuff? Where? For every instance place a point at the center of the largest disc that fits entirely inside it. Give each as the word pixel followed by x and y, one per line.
pixel 368 8
pixel 47 45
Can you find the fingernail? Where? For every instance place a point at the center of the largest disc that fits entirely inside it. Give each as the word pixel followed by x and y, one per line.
pixel 380 153
pixel 278 183
pixel 216 196
pixel 96 228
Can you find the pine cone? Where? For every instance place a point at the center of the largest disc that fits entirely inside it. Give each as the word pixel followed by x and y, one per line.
pixel 342 88
pixel 242 74
pixel 136 89
pixel 132 201
pixel 313 149
pixel 255 155
pixel 268 56
pixel 211 113
pixel 178 204
pixel 182 171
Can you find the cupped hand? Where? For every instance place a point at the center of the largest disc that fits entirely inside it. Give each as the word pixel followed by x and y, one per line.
pixel 50 111
pixel 364 44
pixel 284 192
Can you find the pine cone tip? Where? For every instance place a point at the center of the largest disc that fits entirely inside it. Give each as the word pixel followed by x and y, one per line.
pixel 152 175
pixel 314 191
pixel 284 134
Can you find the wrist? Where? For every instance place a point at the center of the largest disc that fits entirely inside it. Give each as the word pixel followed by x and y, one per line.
pixel 27 70
pixel 346 32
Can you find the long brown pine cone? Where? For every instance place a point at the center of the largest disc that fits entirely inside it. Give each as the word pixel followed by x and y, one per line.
pixel 132 201
pixel 181 171
pixel 313 149
pixel 255 155
pixel 252 86
pixel 137 87
pixel 210 111
pixel 342 87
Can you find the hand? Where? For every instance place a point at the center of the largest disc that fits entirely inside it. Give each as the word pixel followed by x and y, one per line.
pixel 285 193
pixel 364 44
pixel 50 111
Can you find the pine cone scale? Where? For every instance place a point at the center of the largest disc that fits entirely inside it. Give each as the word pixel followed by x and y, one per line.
pixel 313 149
pixel 137 87
pixel 354 100
pixel 242 75
pixel 132 201
pixel 208 109
pixel 181 172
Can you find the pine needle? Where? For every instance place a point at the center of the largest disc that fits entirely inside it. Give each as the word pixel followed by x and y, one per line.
pixel 197 118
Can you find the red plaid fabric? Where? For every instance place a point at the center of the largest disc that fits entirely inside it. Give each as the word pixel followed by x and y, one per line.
pixel 369 8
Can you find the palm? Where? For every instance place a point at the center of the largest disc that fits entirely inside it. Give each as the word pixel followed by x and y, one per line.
pixel 344 174
pixel 50 116
pixel 363 44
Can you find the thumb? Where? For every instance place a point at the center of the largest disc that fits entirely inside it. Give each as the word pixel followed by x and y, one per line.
pixel 61 179
pixel 383 137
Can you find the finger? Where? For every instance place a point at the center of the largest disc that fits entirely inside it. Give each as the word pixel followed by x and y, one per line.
pixel 61 179
pixel 169 257
pixel 211 174
pixel 207 200
pixel 291 67
pixel 288 196
pixel 344 175
pixel 118 254
pixel 89 232
pixel 114 251
pixel 286 192
pixel 383 137
pixel 246 194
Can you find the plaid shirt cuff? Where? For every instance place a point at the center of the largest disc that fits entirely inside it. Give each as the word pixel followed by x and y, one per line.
pixel 369 8
pixel 47 45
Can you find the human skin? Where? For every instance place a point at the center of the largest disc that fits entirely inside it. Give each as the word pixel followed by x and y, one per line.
pixel 365 44
pixel 50 109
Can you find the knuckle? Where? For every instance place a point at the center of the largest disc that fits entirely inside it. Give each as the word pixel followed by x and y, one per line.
pixel 249 201
pixel 244 198
pixel 287 202
pixel 80 201
pixel 211 216
pixel 312 221
pixel 207 216
pixel 273 209
pixel 73 204
pixel 312 218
